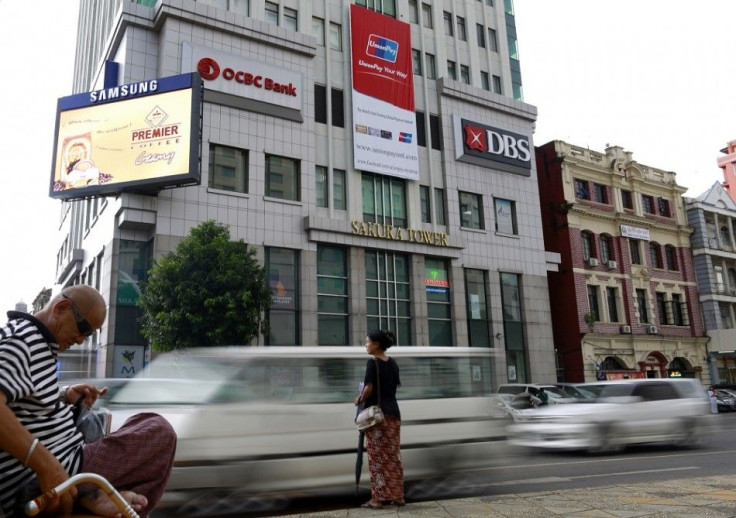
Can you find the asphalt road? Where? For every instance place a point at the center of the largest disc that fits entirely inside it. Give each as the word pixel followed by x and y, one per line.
pixel 522 472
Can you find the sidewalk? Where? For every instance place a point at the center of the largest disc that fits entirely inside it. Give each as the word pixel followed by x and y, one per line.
pixel 691 498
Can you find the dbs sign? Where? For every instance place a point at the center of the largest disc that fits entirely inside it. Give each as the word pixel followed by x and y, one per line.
pixel 501 148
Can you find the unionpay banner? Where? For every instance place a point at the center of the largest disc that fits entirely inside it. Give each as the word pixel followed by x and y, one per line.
pixel 384 121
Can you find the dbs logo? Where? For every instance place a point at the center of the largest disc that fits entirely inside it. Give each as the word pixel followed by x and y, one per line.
pixel 208 69
pixel 475 138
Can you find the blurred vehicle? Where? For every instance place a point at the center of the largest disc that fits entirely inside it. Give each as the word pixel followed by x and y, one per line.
pixel 626 412
pixel 280 420
pixel 523 391
pixel 726 400
pixel 581 391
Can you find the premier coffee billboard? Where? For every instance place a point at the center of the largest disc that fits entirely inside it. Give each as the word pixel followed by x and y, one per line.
pixel 492 147
pixel 135 137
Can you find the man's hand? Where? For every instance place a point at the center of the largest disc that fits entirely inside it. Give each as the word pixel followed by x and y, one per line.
pixel 89 391
pixel 51 473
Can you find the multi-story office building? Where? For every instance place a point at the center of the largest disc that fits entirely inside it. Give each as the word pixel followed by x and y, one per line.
pixel 624 302
pixel 452 255
pixel 712 215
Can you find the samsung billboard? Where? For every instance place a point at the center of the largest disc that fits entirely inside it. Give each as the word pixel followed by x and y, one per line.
pixel 135 137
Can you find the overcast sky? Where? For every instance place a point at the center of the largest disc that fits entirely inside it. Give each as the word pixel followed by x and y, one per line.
pixel 653 76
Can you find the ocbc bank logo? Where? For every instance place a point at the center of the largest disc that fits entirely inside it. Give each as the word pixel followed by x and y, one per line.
pixel 208 69
pixel 496 142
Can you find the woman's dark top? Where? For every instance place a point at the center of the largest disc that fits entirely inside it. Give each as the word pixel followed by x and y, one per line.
pixel 389 379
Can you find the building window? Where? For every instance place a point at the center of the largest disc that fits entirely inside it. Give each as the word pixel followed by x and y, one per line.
pixel 439 308
pixel 725 236
pixel 272 13
pixel 601 193
pixel 435 134
pixel 485 80
pixel 425 204
pixel 581 189
pixel 449 27
pixel 416 62
pixel 318 30
pixel 320 186
pixel 481 33
pixel 662 308
pixel 605 243
pixel 679 311
pixel 497 84
pixel 505 211
pixel 320 103
pixel 635 251
pixel 413 11
pixel 134 263
pixel 332 296
pixel 670 254
pixel 655 255
pixel 387 7
pixel 720 283
pixel 388 302
pixel 612 301
pixel 439 206
pixel 335 36
pixel 664 207
pixel 427 16
pixel 430 66
pixel 228 168
pixel 587 243
pixel 282 269
pixel 452 70
pixel 627 200
pixel 479 328
pixel 421 130
pixel 641 301
pixel 282 177
pixel 461 34
pixel 647 203
pixel 384 200
pixel 290 19
pixel 593 307
pixel 465 74
pixel 513 327
pixel 492 40
pixel 338 108
pixel 471 211
pixel 339 190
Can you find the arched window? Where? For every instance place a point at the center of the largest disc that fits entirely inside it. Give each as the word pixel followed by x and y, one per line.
pixel 671 254
pixel 606 248
pixel 612 363
pixel 655 255
pixel 587 241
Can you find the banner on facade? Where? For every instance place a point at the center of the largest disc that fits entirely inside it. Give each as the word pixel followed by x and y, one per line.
pixel 384 120
pixel 635 232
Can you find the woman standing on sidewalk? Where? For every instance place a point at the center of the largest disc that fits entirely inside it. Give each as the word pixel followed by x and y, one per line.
pixel 383 441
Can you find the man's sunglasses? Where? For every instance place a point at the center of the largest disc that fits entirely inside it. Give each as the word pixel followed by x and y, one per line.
pixel 82 325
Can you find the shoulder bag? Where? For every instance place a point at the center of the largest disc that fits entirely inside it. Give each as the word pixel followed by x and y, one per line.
pixel 373 415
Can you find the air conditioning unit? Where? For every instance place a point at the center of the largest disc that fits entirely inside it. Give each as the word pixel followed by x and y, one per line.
pixel 652 330
pixel 592 261
pixel 626 330
pixel 612 264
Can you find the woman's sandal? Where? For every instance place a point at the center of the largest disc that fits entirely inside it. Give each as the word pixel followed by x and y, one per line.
pixel 370 504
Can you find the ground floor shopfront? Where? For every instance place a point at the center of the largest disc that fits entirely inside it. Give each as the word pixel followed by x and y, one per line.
pixel 659 357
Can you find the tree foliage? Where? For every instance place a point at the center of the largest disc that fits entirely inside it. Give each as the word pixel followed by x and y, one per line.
pixel 210 291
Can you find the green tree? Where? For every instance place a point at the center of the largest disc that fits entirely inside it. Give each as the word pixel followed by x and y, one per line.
pixel 210 291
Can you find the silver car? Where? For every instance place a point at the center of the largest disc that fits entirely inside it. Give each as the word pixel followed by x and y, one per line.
pixel 627 412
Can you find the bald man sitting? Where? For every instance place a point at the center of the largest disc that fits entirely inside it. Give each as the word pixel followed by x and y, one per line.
pixel 38 438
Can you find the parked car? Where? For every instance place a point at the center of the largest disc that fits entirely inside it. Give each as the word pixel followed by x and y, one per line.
pixel 726 400
pixel 626 412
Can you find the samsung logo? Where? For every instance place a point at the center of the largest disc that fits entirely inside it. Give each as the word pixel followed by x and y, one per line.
pixel 123 91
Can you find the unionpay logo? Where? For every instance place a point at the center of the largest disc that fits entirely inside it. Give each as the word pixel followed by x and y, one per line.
pixel 382 48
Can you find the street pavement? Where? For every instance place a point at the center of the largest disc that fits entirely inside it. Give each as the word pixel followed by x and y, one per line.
pixel 691 498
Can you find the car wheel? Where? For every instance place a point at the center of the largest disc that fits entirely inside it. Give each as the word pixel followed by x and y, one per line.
pixel 605 439
pixel 691 434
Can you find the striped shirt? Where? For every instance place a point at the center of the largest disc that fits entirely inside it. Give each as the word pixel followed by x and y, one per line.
pixel 28 377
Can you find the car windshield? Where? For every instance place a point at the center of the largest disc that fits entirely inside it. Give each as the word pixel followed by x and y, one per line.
pixel 617 390
pixel 175 380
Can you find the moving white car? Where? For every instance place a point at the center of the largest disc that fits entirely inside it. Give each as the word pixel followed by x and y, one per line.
pixel 627 412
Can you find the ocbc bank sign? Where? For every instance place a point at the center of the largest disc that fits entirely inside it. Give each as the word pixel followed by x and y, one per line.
pixel 488 146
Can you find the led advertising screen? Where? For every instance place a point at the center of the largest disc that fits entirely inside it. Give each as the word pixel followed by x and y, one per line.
pixel 137 137
pixel 384 120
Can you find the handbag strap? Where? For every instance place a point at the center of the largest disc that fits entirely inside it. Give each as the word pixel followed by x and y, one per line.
pixel 378 380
